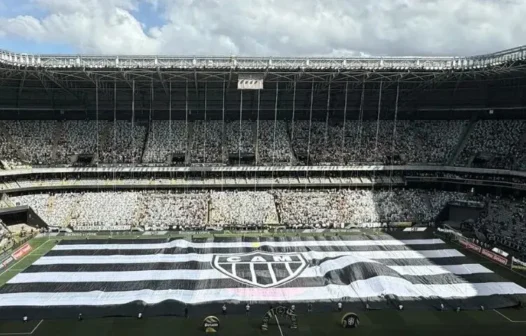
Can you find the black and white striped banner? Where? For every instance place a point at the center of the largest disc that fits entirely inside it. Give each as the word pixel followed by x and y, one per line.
pixel 118 272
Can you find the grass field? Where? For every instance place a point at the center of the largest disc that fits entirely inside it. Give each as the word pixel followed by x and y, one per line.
pixel 40 246
pixel 384 322
pixel 371 323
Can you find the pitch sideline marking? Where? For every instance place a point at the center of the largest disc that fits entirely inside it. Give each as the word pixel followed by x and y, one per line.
pixel 507 318
pixel 26 333
pixel 27 255
pixel 279 326
pixel 38 325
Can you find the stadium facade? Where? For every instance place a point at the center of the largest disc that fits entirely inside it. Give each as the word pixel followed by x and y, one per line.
pixel 322 94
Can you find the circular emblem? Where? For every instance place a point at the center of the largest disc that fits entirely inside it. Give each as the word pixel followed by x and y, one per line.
pixel 211 324
pixel 350 320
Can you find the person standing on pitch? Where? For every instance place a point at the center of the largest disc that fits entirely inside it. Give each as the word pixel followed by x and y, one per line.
pixel 309 308
pixel 185 312
pixel 340 306
pixel 223 309
pixel 247 309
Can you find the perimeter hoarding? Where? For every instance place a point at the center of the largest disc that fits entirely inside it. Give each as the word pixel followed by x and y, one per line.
pixel 18 254
pixel 487 253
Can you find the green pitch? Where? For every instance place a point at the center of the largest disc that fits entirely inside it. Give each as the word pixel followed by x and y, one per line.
pixel 374 323
pixel 371 323
pixel 40 246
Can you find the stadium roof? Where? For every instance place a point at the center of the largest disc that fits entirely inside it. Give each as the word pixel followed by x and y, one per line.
pixel 501 58
pixel 70 82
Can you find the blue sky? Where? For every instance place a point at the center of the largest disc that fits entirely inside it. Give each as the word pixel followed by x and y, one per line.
pixel 14 8
pixel 146 13
pixel 262 27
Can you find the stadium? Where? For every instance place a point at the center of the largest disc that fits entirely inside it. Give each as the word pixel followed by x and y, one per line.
pixel 274 195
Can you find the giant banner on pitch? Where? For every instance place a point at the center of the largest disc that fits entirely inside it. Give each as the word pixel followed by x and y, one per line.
pixel 115 274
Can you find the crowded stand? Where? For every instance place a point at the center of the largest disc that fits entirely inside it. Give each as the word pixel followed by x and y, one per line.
pixel 242 208
pixel 5 237
pixel 322 148
pixel 323 208
pixel 165 138
pixel 274 143
pixel 34 139
pixel 8 152
pixel 504 221
pixel 495 141
pixel 430 141
pixel 93 209
pixel 488 143
pixel 207 142
pixel 333 208
pixel 317 208
pixel 9 156
pixel 403 141
pixel 412 141
pixel 500 143
pixel 78 137
pixel 160 210
pixel 54 209
pixel 240 137
pixel 122 142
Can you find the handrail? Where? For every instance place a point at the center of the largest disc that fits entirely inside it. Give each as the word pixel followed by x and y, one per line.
pixel 262 169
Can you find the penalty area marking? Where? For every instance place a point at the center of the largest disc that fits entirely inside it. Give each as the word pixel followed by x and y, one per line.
pixel 507 318
pixel 26 333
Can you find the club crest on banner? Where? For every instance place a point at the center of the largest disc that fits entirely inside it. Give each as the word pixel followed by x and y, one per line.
pixel 261 269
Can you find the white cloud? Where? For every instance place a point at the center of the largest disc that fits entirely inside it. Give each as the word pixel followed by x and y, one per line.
pixel 276 27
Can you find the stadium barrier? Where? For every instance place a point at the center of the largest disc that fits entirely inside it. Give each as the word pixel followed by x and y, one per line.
pixel 401 224
pixel 518 264
pixel 22 251
pixel 384 225
pixel 495 257
pixel 472 246
pixel 103 228
pixel 483 251
pixel 5 261
pixel 19 253
pixel 132 233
